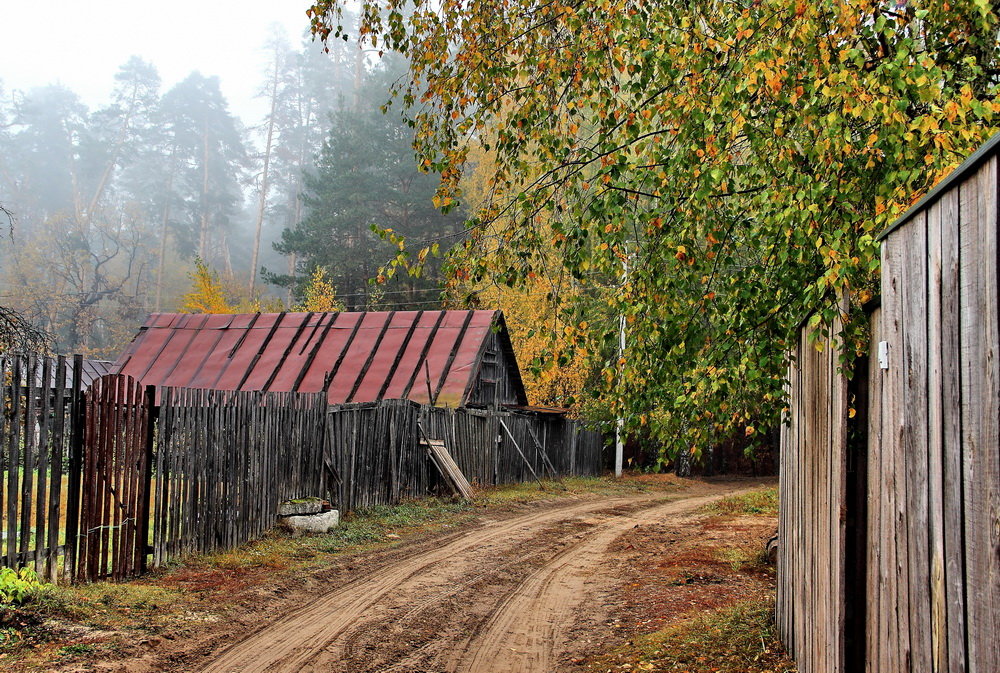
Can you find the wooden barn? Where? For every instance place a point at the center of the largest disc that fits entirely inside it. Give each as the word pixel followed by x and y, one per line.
pixel 889 556
pixel 442 358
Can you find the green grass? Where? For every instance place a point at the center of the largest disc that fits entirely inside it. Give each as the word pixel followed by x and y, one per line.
pixel 74 649
pixel 763 502
pixel 740 638
pixel 373 525
pixel 743 559
pixel 571 486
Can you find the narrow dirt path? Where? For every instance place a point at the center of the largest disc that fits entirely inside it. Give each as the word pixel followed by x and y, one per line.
pixel 499 597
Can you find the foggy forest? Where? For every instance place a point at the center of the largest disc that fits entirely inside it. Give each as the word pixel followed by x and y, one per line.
pixel 115 211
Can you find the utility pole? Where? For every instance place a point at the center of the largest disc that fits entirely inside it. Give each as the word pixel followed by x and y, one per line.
pixel 620 421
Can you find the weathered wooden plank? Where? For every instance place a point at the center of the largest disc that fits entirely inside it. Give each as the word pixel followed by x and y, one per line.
pixel 914 407
pixel 971 257
pixel 73 486
pixel 981 400
pixel 838 460
pixel 58 437
pixel 29 465
pixel 811 634
pixel 786 509
pixel 13 457
pixel 936 408
pixel 44 463
pixel 874 606
pixel 989 213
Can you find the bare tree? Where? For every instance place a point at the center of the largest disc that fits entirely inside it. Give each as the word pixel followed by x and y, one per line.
pixel 17 333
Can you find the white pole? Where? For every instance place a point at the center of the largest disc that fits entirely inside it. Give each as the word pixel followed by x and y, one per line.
pixel 620 422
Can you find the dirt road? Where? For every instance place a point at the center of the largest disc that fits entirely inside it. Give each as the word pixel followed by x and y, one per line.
pixel 498 597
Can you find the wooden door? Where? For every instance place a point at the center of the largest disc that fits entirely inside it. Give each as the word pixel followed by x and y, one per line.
pixel 114 506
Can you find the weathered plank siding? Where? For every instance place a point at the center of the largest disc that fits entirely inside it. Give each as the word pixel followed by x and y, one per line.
pixel 932 575
pixel 812 491
pixel 934 578
pixel 375 450
pixel 225 459
pixel 497 379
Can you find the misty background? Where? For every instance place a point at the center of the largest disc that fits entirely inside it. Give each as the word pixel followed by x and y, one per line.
pixel 111 201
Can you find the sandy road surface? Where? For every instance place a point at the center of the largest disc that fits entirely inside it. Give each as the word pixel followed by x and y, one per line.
pixel 499 597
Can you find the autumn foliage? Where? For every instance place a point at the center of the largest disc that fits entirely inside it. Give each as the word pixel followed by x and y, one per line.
pixel 712 171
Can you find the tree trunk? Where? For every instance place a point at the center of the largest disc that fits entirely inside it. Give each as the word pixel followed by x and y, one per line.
pixel 203 229
pixel 262 204
pixel 163 237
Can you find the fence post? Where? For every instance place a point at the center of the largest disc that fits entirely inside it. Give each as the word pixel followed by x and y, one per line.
pixel 142 544
pixel 77 425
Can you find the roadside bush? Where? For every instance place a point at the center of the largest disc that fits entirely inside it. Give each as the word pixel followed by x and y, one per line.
pixel 20 587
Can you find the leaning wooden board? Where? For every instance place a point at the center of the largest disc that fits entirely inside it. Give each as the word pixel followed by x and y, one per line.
pixel 444 462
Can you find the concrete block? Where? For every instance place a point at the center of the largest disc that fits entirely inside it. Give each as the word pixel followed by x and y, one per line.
pixel 314 523
pixel 299 507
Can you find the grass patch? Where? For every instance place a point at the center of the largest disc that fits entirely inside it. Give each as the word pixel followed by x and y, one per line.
pixel 383 524
pixel 357 530
pixel 740 638
pixel 500 496
pixel 75 649
pixel 743 559
pixel 763 502
pixel 107 605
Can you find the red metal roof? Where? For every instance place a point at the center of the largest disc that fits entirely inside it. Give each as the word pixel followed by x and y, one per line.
pixel 364 356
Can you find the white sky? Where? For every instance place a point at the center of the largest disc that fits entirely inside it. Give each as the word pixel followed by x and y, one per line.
pixel 82 43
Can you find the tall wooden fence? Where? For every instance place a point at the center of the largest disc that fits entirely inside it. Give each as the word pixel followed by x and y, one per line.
pixel 811 550
pixel 895 495
pixel 375 448
pixel 225 460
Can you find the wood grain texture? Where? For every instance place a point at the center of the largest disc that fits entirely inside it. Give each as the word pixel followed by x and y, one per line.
pixel 810 608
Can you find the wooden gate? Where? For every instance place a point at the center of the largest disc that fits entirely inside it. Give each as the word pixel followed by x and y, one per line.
pixel 114 505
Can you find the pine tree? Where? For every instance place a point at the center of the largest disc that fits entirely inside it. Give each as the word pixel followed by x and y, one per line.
pixel 366 177
pixel 209 156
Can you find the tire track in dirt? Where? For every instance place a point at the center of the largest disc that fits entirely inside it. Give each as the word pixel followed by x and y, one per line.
pixel 527 629
pixel 426 617
pixel 292 641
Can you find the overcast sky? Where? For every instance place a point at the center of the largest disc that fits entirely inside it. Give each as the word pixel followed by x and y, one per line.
pixel 82 43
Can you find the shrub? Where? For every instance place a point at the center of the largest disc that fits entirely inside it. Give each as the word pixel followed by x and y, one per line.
pixel 18 587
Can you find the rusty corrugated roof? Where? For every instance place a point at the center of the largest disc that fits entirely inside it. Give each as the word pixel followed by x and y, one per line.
pixel 92 370
pixel 361 357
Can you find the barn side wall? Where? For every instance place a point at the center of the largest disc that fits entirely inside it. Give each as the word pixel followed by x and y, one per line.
pixel 493 385
pixel 810 602
pixel 934 493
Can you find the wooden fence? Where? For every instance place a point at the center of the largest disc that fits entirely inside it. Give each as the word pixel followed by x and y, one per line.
pixel 93 482
pixel 115 475
pixel 225 460
pixel 41 442
pixel 811 551
pixel 889 556
pixel 375 448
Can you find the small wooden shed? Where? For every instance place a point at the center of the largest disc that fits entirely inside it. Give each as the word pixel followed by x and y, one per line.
pixel 443 358
pixel 889 556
